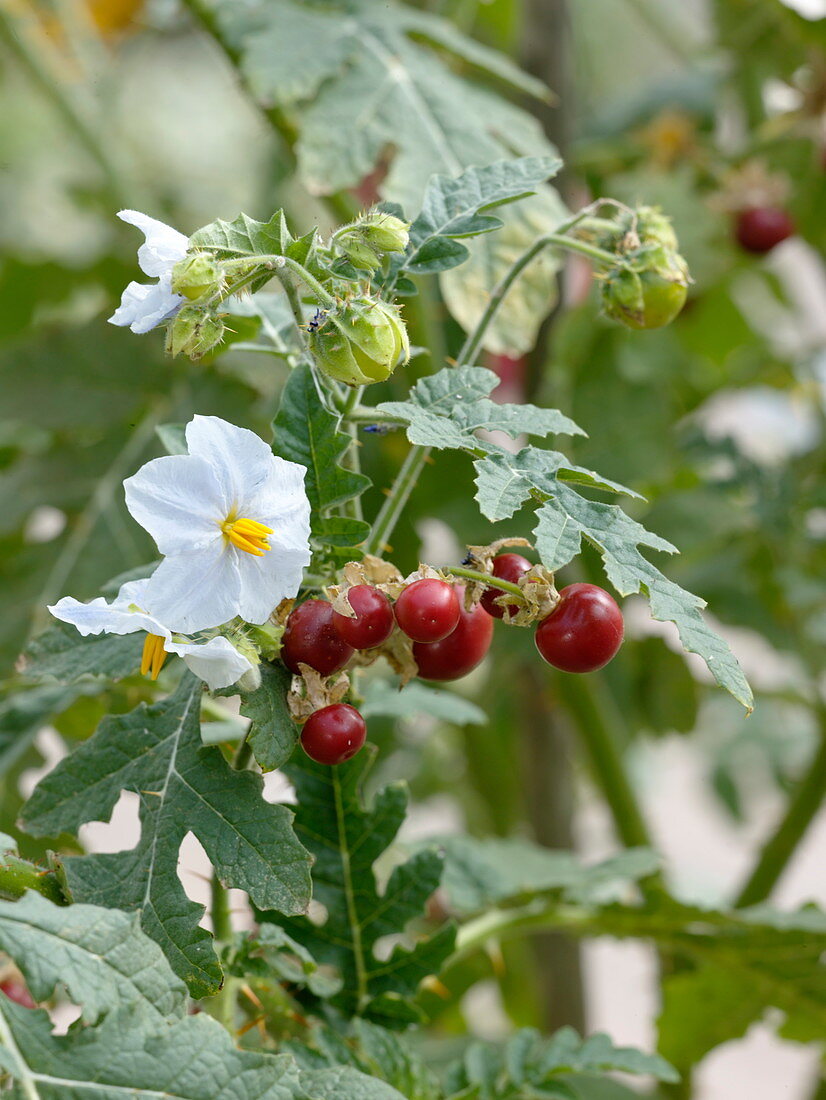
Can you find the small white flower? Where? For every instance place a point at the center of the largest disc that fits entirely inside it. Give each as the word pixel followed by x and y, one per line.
pixel 145 305
pixel 233 524
pixel 216 661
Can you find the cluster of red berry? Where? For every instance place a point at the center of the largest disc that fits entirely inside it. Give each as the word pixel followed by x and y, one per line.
pixel 581 634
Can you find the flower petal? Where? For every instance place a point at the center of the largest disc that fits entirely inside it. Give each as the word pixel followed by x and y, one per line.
pixel 179 500
pixel 145 306
pixel 266 581
pixel 281 502
pixel 195 590
pixel 99 617
pixel 217 661
pixel 163 247
pixel 241 459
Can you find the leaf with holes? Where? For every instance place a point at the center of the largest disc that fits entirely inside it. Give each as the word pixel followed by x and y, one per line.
pixel 100 955
pixel 306 432
pixel 156 752
pixel 346 839
pixel 130 1055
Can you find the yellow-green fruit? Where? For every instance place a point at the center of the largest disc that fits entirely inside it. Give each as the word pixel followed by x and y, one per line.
pixel 360 342
pixel 193 332
pixel 196 276
pixel 656 303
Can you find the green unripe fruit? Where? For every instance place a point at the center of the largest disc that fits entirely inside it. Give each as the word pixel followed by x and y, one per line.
pixel 196 276
pixel 657 304
pixel 643 300
pixel 193 332
pixel 360 342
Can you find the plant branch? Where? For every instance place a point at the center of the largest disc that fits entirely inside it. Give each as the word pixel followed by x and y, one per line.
pixel 486 578
pixel 597 727
pixel 19 875
pixel 781 845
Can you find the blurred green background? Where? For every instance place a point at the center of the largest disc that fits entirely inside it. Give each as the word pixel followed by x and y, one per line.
pixel 717 420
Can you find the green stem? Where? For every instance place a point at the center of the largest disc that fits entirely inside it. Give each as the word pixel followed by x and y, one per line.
pixel 800 813
pixel 485 578
pixel 222 1006
pixel 364 415
pixel 396 499
pixel 597 726
pixel 19 875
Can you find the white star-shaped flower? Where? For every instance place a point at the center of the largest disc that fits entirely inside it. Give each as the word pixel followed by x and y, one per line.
pixel 216 661
pixel 232 521
pixel 143 306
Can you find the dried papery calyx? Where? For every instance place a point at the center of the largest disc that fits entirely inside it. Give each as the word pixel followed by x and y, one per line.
pixel 310 691
pixel 481 558
pixel 370 570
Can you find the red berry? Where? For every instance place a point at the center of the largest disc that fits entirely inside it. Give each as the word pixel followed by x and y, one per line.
pixel 17 992
pixel 374 621
pixel 460 652
pixel 312 639
pixel 760 228
pixel 428 610
pixel 333 734
pixel 583 632
pixel 507 567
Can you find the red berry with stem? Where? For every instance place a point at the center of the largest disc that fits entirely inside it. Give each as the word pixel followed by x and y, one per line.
pixel 584 630
pixel 428 610
pixel 374 621
pixel 760 228
pixel 461 651
pixel 507 567
pixel 311 638
pixel 333 734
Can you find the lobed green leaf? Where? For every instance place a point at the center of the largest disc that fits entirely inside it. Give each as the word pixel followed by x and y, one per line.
pixel 100 955
pixel 156 752
pixel 346 839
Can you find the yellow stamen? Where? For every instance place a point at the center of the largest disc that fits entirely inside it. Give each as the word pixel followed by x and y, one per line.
pixel 154 655
pixel 248 535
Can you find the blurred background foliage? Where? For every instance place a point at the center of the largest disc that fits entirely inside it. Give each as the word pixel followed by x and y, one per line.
pixel 718 419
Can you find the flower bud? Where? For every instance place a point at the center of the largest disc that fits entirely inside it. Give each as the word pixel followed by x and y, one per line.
pixel 648 290
pixel 366 240
pixel 360 341
pixel 357 250
pixel 385 231
pixel 193 332
pixel 196 275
